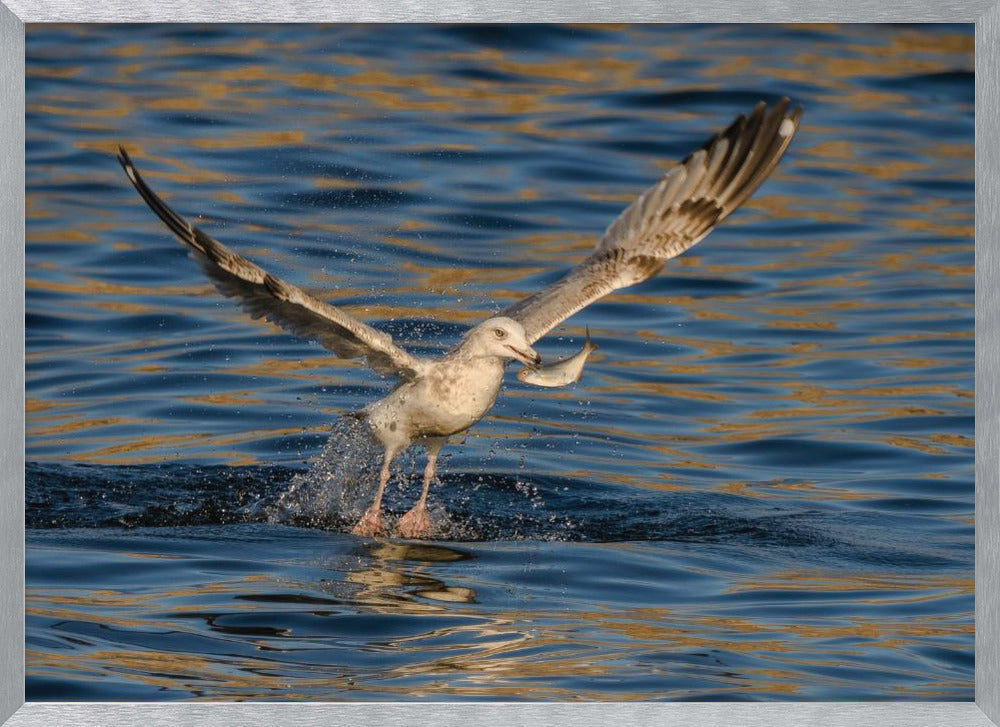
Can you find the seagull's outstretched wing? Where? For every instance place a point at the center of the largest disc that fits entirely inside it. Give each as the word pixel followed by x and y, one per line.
pixel 670 217
pixel 264 295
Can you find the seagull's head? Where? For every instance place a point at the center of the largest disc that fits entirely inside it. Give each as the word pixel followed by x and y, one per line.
pixel 504 338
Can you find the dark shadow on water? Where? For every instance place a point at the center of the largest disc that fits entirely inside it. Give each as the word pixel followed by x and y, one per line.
pixel 471 506
pixel 467 506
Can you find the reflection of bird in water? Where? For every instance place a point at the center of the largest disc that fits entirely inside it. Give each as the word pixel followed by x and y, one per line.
pixel 436 398
pixel 393 573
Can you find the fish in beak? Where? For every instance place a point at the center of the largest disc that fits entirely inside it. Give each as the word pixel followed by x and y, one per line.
pixel 527 356
pixel 559 373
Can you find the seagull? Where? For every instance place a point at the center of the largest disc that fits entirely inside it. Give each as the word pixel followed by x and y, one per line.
pixel 436 398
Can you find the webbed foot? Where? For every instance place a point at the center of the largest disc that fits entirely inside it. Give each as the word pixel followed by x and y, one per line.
pixel 415 523
pixel 370 524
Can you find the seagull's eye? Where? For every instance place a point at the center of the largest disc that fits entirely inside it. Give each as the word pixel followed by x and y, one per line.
pixel 499 332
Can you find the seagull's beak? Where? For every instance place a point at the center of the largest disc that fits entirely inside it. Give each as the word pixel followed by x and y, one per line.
pixel 526 355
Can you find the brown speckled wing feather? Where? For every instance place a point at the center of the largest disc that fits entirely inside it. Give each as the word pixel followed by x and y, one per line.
pixel 669 217
pixel 265 296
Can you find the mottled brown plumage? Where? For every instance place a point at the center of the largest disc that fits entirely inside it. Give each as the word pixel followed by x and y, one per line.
pixel 668 218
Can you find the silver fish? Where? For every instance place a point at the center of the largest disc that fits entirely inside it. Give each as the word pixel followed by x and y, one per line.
pixel 559 373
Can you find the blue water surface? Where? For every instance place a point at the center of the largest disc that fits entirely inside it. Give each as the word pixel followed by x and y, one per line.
pixel 761 489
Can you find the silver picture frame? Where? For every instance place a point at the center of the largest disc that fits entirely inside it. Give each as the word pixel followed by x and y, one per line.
pixel 14 14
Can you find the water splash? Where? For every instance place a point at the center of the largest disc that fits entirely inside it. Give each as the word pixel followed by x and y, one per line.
pixel 339 483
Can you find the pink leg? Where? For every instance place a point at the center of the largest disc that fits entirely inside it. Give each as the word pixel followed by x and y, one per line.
pixel 415 523
pixel 370 523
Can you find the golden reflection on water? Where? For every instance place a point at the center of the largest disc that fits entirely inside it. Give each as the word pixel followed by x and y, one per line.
pixel 820 306
pixel 493 652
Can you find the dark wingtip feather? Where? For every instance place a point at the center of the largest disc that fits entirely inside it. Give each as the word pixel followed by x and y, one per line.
pixel 125 160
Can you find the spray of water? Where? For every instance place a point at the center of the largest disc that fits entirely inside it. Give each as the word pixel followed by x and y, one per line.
pixel 338 486
pixel 340 483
